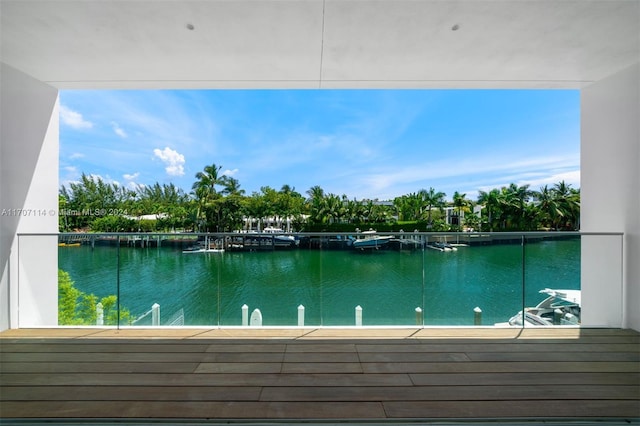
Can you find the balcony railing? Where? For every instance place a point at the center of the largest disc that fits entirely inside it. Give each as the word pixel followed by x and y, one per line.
pixel 319 279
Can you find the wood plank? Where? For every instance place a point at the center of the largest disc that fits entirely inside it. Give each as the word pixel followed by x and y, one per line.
pixel 130 393
pixel 309 379
pixel 571 409
pixel 402 357
pixel 98 367
pixel 500 347
pixel 112 347
pixel 47 332
pixel 247 347
pixel 191 410
pixel 360 332
pixel 555 356
pixel 322 367
pixel 321 357
pixel 524 341
pixel 306 347
pixel 254 333
pixel 151 332
pixel 141 357
pixel 499 367
pixel 520 333
pixel 323 379
pixel 525 378
pixel 449 393
pixel 206 379
pixel 133 379
pixel 239 367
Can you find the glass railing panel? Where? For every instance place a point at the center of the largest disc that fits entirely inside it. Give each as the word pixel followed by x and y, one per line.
pixel 374 280
pixel 157 284
pixel 87 280
pixel 323 274
pixel 281 282
pixel 552 280
pixel 472 279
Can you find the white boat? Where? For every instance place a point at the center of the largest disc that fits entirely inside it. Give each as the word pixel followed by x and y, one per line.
pixel 199 249
pixel 206 247
pixel 370 240
pixel 279 238
pixel 561 307
pixel 442 246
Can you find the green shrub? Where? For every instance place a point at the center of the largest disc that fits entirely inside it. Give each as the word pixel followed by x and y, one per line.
pixel 76 307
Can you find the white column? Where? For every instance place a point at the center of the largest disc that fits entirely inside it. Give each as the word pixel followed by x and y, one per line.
pixel 28 181
pixel 610 184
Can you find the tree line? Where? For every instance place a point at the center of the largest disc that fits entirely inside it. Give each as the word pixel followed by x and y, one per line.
pixel 216 203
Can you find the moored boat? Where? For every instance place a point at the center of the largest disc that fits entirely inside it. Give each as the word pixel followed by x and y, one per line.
pixel 442 246
pixel 207 246
pixel 370 240
pixel 279 238
pixel 561 307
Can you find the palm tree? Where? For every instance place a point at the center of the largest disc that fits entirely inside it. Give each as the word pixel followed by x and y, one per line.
pixel 491 201
pixel 568 201
pixel 461 204
pixel 231 186
pixel 316 195
pixel 432 199
pixel 332 210
pixel 519 196
pixel 410 206
pixel 207 180
pixel 204 188
pixel 290 203
pixel 548 206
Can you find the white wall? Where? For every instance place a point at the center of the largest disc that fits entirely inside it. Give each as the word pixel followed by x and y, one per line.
pixel 28 181
pixel 610 185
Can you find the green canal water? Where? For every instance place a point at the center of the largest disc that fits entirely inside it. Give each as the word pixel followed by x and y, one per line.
pixel 210 288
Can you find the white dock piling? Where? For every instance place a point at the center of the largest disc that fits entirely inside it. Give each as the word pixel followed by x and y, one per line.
pixel 300 316
pixel 155 314
pixel 245 315
pixel 256 318
pixel 99 314
pixel 477 316
pixel 358 316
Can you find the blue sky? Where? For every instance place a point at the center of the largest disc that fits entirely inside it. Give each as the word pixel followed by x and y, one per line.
pixel 362 143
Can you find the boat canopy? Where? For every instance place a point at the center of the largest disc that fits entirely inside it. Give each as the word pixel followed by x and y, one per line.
pixel 569 296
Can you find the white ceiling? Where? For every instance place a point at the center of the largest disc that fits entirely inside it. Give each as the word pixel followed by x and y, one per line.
pixel 319 43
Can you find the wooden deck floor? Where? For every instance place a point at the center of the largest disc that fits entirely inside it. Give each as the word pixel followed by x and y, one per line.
pixel 322 374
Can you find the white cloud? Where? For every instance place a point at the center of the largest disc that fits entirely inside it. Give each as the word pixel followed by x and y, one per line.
pixel 571 177
pixel 76 155
pixel 118 130
pixel 173 160
pixel 134 186
pixel 131 176
pixel 74 119
pixel 230 172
